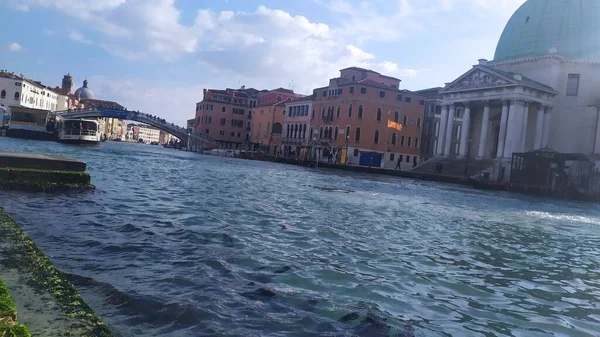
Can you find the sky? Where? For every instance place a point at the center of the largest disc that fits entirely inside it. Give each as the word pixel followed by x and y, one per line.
pixel 157 56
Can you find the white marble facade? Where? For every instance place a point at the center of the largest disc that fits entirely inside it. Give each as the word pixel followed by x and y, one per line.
pixel 489 114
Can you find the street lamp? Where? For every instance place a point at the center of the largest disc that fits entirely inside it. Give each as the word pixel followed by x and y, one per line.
pixel 467 161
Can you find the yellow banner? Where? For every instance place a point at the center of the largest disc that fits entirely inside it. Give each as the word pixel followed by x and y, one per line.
pixel 394 125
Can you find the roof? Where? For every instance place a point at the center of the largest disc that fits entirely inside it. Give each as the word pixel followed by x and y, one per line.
pixel 91 103
pixel 570 28
pixel 549 153
pixel 301 99
pixel 525 80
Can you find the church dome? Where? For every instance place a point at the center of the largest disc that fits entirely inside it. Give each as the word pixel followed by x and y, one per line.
pixel 569 28
pixel 84 92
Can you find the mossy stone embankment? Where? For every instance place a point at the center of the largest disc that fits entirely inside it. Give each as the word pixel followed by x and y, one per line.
pixel 20 253
pixel 43 180
pixel 9 327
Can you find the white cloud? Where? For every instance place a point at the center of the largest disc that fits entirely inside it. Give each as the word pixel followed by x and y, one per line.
pixel 15 47
pixel 78 37
pixel 48 32
pixel 22 7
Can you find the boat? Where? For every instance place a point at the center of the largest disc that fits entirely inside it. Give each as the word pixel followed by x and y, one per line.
pixel 78 131
pixel 153 143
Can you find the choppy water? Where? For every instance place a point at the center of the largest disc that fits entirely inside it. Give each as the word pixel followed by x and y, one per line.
pixel 180 244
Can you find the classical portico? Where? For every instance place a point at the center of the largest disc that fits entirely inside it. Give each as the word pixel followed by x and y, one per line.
pixel 489 113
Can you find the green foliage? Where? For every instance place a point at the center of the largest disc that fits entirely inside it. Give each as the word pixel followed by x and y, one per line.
pixel 43 180
pixel 28 258
pixel 7 307
pixel 14 330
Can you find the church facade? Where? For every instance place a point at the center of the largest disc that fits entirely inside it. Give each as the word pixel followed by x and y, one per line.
pixel 541 90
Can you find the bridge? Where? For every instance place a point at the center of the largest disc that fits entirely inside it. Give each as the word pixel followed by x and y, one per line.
pixel 157 122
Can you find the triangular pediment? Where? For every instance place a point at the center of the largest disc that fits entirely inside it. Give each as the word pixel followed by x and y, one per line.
pixel 479 77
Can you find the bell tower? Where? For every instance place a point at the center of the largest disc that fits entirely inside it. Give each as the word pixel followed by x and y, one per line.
pixel 67 82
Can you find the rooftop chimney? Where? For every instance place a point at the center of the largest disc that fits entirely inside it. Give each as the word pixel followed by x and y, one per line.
pixel 483 62
pixel 518 77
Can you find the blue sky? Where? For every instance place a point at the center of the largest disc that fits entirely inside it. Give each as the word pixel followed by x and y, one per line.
pixel 157 55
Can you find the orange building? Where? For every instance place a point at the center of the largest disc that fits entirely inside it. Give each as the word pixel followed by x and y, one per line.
pixel 267 119
pixel 350 120
pixel 224 115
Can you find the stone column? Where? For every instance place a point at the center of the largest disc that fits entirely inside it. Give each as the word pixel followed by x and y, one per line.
pixel 502 133
pixel 539 128
pixel 442 129
pixel 547 120
pixel 484 130
pixel 464 133
pixel 513 130
pixel 521 146
pixel 448 135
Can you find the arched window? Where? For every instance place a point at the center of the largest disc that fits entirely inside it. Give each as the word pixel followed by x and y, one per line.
pixel 353 78
pixel 337 114
pixel 323 113
pixel 409 140
pixel 304 131
pixel 311 132
pixel 396 117
pixel 17 95
pixel 419 122
pixel 357 135
pixel 360 111
pixel 350 110
pixel 347 132
pixel 288 131
pixel 376 139
pixel 394 139
pixel 379 114
pixel 404 120
pixel 3 94
pixel 321 132
pixel 335 135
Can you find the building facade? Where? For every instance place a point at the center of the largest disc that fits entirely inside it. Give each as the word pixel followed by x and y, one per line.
pixel 433 109
pixel 350 119
pixel 148 134
pixel 296 126
pixel 541 90
pixel 16 90
pixel 224 116
pixel 267 127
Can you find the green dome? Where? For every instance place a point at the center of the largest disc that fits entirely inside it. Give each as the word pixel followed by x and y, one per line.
pixel 571 27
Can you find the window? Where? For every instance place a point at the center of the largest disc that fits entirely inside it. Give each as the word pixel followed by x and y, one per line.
pixel 337 114
pixel 311 132
pixel 572 85
pixel 349 110
pixel 416 142
pixel 17 96
pixel 419 122
pixel 363 90
pixel 399 97
pixel 404 120
pixel 356 152
pixel 3 94
pixel 340 91
pixel 409 141
pixel 402 141
pixel 304 131
pixel 278 99
pixel 379 115
pixel 351 90
pixel 376 138
pixel 321 132
pixel 290 112
pixel 407 99
pixel 239 135
pixel 223 109
pixel 408 159
pixel 396 116
pixel 324 93
pixel 360 111
pixel 335 135
pixel 232 134
pixel 422 102
pixel 353 77
pixel 391 157
pixel 347 132
pixel 357 135
pixel 221 133
pixel 313 114
pixel 381 93
pixel 394 139
pixel 400 157
pixel 323 113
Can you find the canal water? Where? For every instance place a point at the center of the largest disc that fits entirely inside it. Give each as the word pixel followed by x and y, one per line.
pixel 180 244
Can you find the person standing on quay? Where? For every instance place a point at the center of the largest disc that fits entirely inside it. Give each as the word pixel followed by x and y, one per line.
pixel 399 164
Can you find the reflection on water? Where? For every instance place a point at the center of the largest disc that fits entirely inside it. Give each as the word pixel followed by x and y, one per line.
pixel 179 244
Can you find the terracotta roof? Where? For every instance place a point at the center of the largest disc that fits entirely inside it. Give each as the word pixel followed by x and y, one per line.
pixel 92 103
pixel 302 99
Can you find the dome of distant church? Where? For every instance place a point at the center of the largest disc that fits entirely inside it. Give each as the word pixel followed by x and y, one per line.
pixel 569 28
pixel 84 92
